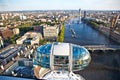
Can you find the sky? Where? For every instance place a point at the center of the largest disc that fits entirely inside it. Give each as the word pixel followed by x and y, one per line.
pixel 16 5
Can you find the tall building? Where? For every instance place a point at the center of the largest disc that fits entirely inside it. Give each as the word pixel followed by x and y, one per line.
pixel 57 61
pixel 80 15
pixel 84 14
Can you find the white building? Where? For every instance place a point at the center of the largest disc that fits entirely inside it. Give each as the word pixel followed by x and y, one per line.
pixel 16 31
pixel 30 38
pixel 1 23
pixel 43 20
pixel 22 17
pixel 51 32
pixel 1 42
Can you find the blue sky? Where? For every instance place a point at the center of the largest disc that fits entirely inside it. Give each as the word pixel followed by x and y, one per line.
pixel 11 5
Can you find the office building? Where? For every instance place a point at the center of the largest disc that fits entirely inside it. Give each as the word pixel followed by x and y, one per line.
pixel 51 32
pixel 84 14
pixel 79 15
pixel 38 29
pixel 9 54
pixel 16 31
pixel 30 38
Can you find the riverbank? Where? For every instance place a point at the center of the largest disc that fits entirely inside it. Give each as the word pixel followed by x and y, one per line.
pixel 104 30
pixel 61 34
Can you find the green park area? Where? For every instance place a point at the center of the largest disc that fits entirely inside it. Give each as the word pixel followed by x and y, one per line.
pixel 61 34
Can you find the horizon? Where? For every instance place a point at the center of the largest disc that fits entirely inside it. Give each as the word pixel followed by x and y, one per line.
pixel 23 5
pixel 55 10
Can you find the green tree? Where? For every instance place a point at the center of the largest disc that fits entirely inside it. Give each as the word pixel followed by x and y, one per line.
pixel 42 42
pixel 61 34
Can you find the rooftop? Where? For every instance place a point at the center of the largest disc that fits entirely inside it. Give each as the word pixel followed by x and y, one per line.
pixel 8 52
pixel 3 28
pixel 61 49
pixel 45 49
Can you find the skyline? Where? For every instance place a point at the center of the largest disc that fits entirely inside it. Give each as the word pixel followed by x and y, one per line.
pixel 13 5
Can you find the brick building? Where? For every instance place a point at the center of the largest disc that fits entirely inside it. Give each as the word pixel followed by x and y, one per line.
pixel 5 32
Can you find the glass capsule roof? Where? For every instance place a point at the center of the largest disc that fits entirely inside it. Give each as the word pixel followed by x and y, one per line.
pixel 79 50
pixel 62 54
pixel 46 49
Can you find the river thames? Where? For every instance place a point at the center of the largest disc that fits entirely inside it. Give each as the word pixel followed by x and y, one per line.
pixel 85 34
pixel 103 66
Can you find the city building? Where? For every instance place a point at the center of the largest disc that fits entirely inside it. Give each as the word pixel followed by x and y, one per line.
pixel 9 54
pixel 5 32
pixel 4 16
pixel 51 32
pixel 16 31
pixel 23 17
pixel 57 61
pixel 84 14
pixel 79 15
pixel 30 38
pixel 43 20
pixel 118 24
pixel 1 24
pixel 1 42
pixel 38 29
pixel 21 68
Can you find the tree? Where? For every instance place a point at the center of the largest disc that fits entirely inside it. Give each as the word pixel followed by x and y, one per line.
pixel 42 42
pixel 61 34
